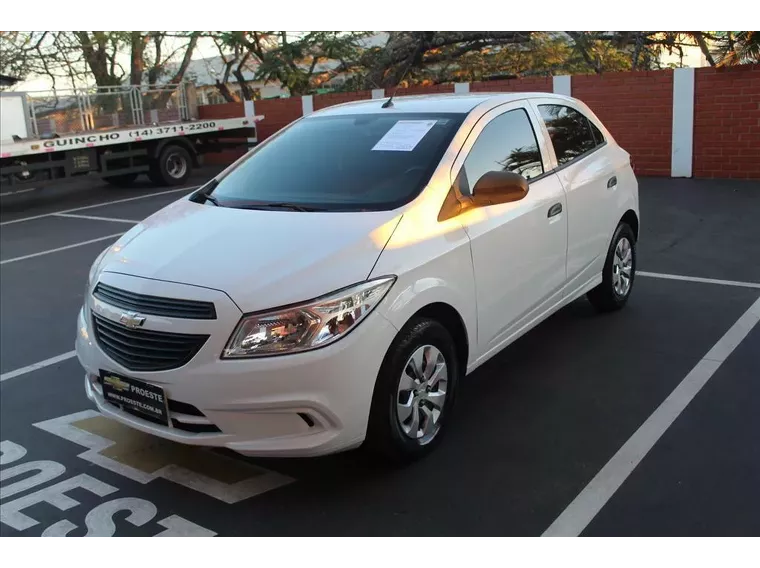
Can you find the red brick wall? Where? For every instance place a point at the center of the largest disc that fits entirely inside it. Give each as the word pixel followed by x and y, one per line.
pixel 227 110
pixel 277 113
pixel 527 85
pixel 727 122
pixel 637 108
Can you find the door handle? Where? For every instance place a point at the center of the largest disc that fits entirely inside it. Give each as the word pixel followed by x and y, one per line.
pixel 555 209
pixel 612 182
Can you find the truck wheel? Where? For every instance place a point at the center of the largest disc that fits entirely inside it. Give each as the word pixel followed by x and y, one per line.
pixel 172 167
pixel 124 180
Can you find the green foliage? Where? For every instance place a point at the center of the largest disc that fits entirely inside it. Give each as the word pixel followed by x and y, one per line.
pixel 299 61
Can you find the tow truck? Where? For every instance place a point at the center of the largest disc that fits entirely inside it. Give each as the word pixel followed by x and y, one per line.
pixel 115 133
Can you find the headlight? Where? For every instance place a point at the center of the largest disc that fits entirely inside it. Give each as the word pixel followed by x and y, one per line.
pixel 94 268
pixel 306 326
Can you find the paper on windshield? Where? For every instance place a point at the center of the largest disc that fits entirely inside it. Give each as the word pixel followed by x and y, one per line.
pixel 404 136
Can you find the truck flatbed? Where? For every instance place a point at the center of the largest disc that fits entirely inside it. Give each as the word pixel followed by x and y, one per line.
pixel 143 133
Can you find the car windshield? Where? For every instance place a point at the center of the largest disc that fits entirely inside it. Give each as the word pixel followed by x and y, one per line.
pixel 341 163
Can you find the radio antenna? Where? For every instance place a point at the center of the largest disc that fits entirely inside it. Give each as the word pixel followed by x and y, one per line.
pixel 389 102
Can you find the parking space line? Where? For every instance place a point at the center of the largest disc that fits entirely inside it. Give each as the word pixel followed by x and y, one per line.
pixel 28 189
pixel 582 510
pixel 59 249
pixel 113 202
pixel 697 279
pixel 36 366
pixel 95 218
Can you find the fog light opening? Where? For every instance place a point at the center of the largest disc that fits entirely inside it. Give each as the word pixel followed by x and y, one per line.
pixel 308 419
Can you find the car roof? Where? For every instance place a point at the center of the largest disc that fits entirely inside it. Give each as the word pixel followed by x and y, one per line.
pixel 434 103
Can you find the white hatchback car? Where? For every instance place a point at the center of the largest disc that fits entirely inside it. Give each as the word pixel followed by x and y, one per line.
pixel 333 286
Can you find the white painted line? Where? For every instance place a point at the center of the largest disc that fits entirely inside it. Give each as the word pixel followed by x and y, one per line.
pixel 595 495
pixel 59 249
pixel 18 191
pixel 113 202
pixel 94 218
pixel 36 366
pixel 697 279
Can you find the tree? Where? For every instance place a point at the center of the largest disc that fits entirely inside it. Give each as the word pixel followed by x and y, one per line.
pixel 20 52
pixel 299 61
pixel 82 57
pixel 409 54
pixel 736 48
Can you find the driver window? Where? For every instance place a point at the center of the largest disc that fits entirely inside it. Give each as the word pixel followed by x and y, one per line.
pixel 507 143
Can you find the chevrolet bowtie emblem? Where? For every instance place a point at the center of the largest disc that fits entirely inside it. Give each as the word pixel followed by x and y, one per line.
pixel 132 319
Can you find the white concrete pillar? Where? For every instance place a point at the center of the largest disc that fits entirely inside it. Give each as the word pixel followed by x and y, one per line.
pixel 682 141
pixel 250 113
pixel 307 104
pixel 250 109
pixel 562 85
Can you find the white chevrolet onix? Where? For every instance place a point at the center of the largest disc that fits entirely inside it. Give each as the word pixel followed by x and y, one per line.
pixel 332 287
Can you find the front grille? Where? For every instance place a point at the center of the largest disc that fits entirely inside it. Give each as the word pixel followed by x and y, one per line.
pixel 143 350
pixel 154 305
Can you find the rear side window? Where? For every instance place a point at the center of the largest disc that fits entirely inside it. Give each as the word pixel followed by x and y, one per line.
pixel 507 143
pixel 570 131
pixel 598 136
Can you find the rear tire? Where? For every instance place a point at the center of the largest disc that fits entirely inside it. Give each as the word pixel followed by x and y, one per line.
pixel 172 167
pixel 618 274
pixel 124 180
pixel 414 393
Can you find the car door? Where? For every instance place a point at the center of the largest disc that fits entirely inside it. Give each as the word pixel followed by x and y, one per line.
pixel 518 248
pixel 586 167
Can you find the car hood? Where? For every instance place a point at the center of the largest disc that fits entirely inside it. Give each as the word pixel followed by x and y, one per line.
pixel 261 259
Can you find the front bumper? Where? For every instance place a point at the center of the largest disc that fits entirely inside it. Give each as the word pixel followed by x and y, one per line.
pixel 305 404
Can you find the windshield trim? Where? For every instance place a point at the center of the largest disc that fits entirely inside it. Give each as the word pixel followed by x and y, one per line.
pixel 331 206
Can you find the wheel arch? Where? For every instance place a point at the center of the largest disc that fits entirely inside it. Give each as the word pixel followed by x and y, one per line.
pixel 632 219
pixel 450 318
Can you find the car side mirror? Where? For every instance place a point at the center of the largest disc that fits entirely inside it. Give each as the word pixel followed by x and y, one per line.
pixel 498 187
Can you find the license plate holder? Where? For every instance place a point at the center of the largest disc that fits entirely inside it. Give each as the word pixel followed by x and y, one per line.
pixel 136 396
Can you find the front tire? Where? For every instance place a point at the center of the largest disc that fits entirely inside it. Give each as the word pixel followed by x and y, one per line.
pixel 619 272
pixel 414 394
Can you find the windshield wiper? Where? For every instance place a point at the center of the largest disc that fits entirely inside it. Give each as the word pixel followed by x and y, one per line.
pixel 288 206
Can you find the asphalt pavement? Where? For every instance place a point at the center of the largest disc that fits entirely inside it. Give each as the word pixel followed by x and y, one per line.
pixel 542 431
